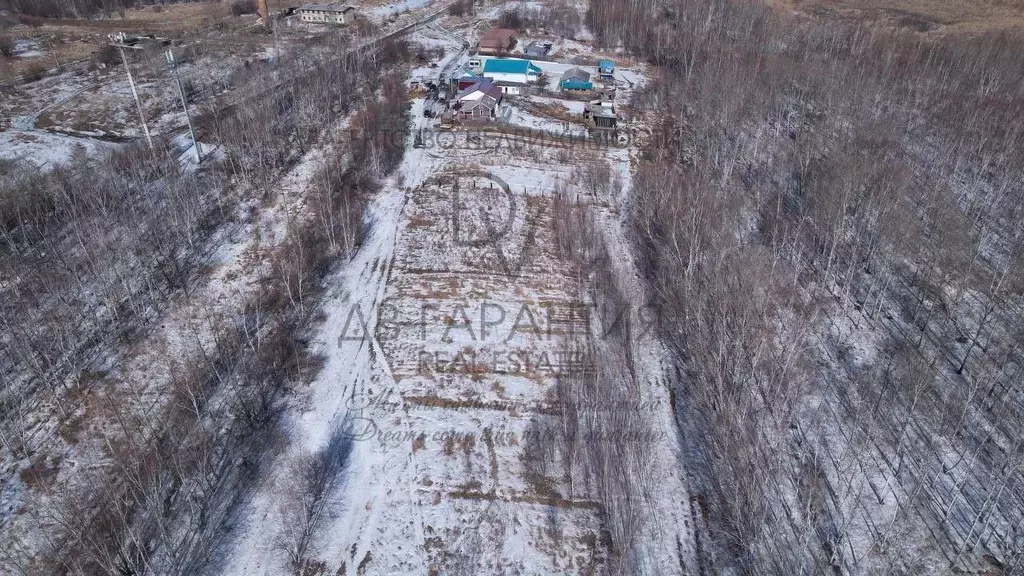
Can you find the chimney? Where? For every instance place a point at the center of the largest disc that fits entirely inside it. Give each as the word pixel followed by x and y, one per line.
pixel 264 13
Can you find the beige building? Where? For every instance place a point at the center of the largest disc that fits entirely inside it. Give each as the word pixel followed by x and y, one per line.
pixel 335 13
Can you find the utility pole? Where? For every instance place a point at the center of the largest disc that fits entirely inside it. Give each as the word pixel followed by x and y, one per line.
pixel 118 41
pixel 184 104
pixel 264 13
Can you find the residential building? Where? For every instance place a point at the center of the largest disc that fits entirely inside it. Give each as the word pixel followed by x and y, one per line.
pixel 601 115
pixel 576 80
pixel 334 13
pixel 497 41
pixel 464 78
pixel 606 69
pixel 511 74
pixel 478 102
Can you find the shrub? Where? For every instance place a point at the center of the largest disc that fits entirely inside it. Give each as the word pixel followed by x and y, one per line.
pixel 107 55
pixel 34 72
pixel 510 19
pixel 6 47
pixel 461 8
pixel 240 7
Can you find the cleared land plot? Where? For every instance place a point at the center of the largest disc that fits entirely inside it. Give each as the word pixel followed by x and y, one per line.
pixel 938 16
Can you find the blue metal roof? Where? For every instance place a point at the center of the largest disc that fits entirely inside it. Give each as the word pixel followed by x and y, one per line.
pixel 510 66
pixel 577 84
pixel 606 64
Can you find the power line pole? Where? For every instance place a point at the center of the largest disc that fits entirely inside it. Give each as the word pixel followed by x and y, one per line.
pixel 184 104
pixel 264 13
pixel 118 41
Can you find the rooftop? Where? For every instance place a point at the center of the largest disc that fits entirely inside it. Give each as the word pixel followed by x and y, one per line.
pixel 497 37
pixel 510 66
pixel 538 48
pixel 576 74
pixel 480 89
pixel 333 7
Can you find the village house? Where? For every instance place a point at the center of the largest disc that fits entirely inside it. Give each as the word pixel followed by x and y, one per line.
pixel 576 80
pixel 606 69
pixel 497 41
pixel 478 102
pixel 334 13
pixel 601 115
pixel 464 78
pixel 511 74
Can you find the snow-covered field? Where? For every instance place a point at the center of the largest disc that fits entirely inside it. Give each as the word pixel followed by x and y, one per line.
pixel 436 478
pixel 441 349
pixel 443 340
pixel 46 149
pixel 518 117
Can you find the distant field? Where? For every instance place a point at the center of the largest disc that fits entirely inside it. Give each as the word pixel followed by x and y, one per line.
pixel 933 16
pixel 56 41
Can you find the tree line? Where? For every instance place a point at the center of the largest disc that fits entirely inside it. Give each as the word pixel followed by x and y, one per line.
pixel 830 221
pixel 173 474
pixel 77 8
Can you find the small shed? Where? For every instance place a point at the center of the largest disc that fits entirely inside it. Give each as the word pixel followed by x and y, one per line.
pixel 601 115
pixel 537 48
pixel 575 79
pixel 606 69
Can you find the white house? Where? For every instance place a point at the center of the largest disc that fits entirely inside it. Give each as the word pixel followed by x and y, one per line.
pixel 335 13
pixel 510 73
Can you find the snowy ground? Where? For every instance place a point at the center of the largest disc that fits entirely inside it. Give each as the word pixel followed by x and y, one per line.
pixel 442 341
pixel 243 250
pixel 397 8
pixel 516 116
pixel 46 149
pixel 436 481
pixel 440 349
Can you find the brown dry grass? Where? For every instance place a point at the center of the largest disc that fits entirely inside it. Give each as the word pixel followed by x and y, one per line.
pixel 511 407
pixel 54 49
pixel 553 502
pixel 929 16
pixel 68 40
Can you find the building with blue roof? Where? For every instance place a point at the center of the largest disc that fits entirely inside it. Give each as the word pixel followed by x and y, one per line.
pixel 606 69
pixel 510 73
pixel 464 78
pixel 577 80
